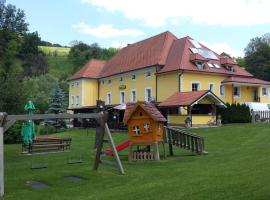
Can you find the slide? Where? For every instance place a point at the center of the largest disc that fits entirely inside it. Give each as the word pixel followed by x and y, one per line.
pixel 120 147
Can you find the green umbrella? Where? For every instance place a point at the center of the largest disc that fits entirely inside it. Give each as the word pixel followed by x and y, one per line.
pixel 28 128
pixel 29 106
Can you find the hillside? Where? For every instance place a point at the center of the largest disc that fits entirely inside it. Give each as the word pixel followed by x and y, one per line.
pixel 58 63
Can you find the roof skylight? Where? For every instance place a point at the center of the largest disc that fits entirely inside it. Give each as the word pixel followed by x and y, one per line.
pixel 217 66
pixel 204 53
pixel 195 43
pixel 210 65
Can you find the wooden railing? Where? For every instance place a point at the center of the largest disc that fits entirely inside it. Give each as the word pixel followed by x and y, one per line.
pixel 260 116
pixel 185 140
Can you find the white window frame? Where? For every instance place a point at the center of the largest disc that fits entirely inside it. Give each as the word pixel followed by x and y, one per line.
pixel 77 100
pixel 146 74
pixel 266 91
pixel 213 87
pixel 146 94
pixel 220 90
pixel 120 95
pixel 133 79
pixel 237 96
pixel 131 95
pixel 108 100
pixel 72 100
pixel 195 82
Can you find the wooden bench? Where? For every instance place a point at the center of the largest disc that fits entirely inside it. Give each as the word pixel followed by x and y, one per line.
pixel 48 144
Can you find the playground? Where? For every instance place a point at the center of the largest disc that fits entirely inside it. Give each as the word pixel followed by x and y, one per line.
pixel 229 171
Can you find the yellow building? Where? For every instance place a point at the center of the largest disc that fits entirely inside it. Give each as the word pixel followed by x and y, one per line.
pixel 156 68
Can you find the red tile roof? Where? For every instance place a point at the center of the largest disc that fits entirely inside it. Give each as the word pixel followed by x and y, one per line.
pixel 179 59
pixel 227 60
pixel 148 107
pixel 149 52
pixel 197 57
pixel 236 79
pixel 91 69
pixel 183 98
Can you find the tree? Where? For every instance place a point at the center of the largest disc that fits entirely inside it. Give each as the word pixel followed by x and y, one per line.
pixel 257 57
pixel 57 105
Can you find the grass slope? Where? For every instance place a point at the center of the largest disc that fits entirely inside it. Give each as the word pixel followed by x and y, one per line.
pixel 237 167
pixel 61 51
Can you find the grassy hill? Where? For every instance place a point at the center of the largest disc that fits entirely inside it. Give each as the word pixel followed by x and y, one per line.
pixel 58 63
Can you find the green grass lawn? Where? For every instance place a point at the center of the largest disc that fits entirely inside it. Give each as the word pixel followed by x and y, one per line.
pixel 237 167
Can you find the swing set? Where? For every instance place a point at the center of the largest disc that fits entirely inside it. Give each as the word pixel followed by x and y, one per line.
pixel 102 131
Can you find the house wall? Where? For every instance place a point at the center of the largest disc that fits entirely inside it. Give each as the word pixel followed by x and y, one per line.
pixel 139 85
pixel 86 90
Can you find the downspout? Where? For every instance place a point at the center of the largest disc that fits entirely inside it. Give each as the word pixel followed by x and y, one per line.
pixel 98 88
pixel 156 86
pixel 179 81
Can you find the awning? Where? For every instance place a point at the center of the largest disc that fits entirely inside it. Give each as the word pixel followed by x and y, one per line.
pixel 120 107
pixel 244 81
pixel 191 98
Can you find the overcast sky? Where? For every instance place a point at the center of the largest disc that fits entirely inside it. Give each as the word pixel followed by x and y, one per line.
pixel 223 25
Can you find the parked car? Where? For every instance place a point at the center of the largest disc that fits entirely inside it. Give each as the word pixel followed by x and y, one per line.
pixel 255 106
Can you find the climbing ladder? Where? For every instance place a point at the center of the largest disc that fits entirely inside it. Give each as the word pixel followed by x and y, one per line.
pixel 185 140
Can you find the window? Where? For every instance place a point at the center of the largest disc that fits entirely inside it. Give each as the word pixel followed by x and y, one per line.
pixel 217 66
pixel 133 95
pixel 195 86
pixel 221 90
pixel 77 100
pixel 72 100
pixel 236 91
pixel 210 65
pixel 136 130
pixel 200 65
pixel 103 82
pixel 72 84
pixel 148 94
pixel 110 82
pixel 211 87
pixel 77 84
pixel 264 91
pixel 121 79
pixel 148 74
pixel 108 99
pixel 133 76
pixel 146 127
pixel 195 43
pixel 122 97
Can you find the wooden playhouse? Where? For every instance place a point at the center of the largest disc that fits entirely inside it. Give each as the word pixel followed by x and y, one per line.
pixel 145 127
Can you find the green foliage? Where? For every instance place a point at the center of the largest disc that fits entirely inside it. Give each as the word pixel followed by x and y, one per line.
pixel 55 51
pixel 38 90
pixel 235 113
pixel 80 53
pixel 257 57
pixel 46 129
pixel 241 62
pixel 13 135
pixel 57 105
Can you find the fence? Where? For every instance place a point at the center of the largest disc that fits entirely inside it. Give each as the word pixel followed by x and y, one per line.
pixel 260 116
pixel 185 140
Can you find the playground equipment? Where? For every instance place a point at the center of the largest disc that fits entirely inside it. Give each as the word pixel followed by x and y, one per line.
pixel 145 128
pixel 6 121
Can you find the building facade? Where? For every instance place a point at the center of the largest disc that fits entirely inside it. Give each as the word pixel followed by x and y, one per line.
pixel 156 68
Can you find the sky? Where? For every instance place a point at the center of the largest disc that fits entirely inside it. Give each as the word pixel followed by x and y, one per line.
pixel 222 25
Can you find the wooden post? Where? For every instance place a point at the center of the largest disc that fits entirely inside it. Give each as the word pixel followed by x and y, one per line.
pixel 170 141
pixel 253 116
pixel 156 151
pixel 1 161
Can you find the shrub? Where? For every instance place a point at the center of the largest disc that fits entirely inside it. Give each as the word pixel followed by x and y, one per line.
pixel 13 135
pixel 235 113
pixel 46 129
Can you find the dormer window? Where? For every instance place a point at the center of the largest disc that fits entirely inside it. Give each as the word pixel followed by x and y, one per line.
pixel 230 68
pixel 200 65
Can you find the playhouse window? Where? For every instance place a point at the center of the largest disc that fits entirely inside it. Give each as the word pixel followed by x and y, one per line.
pixel 146 127
pixel 136 130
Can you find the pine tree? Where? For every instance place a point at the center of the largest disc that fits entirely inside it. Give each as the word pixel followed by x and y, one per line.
pixel 57 105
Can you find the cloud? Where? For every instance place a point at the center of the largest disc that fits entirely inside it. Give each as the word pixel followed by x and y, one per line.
pixel 211 12
pixel 117 44
pixel 105 30
pixel 223 47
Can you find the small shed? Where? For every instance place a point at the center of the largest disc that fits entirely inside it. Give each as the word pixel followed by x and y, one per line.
pixel 145 127
pixel 145 122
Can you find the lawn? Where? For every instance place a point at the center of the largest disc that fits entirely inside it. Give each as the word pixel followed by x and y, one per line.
pixel 61 51
pixel 237 167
